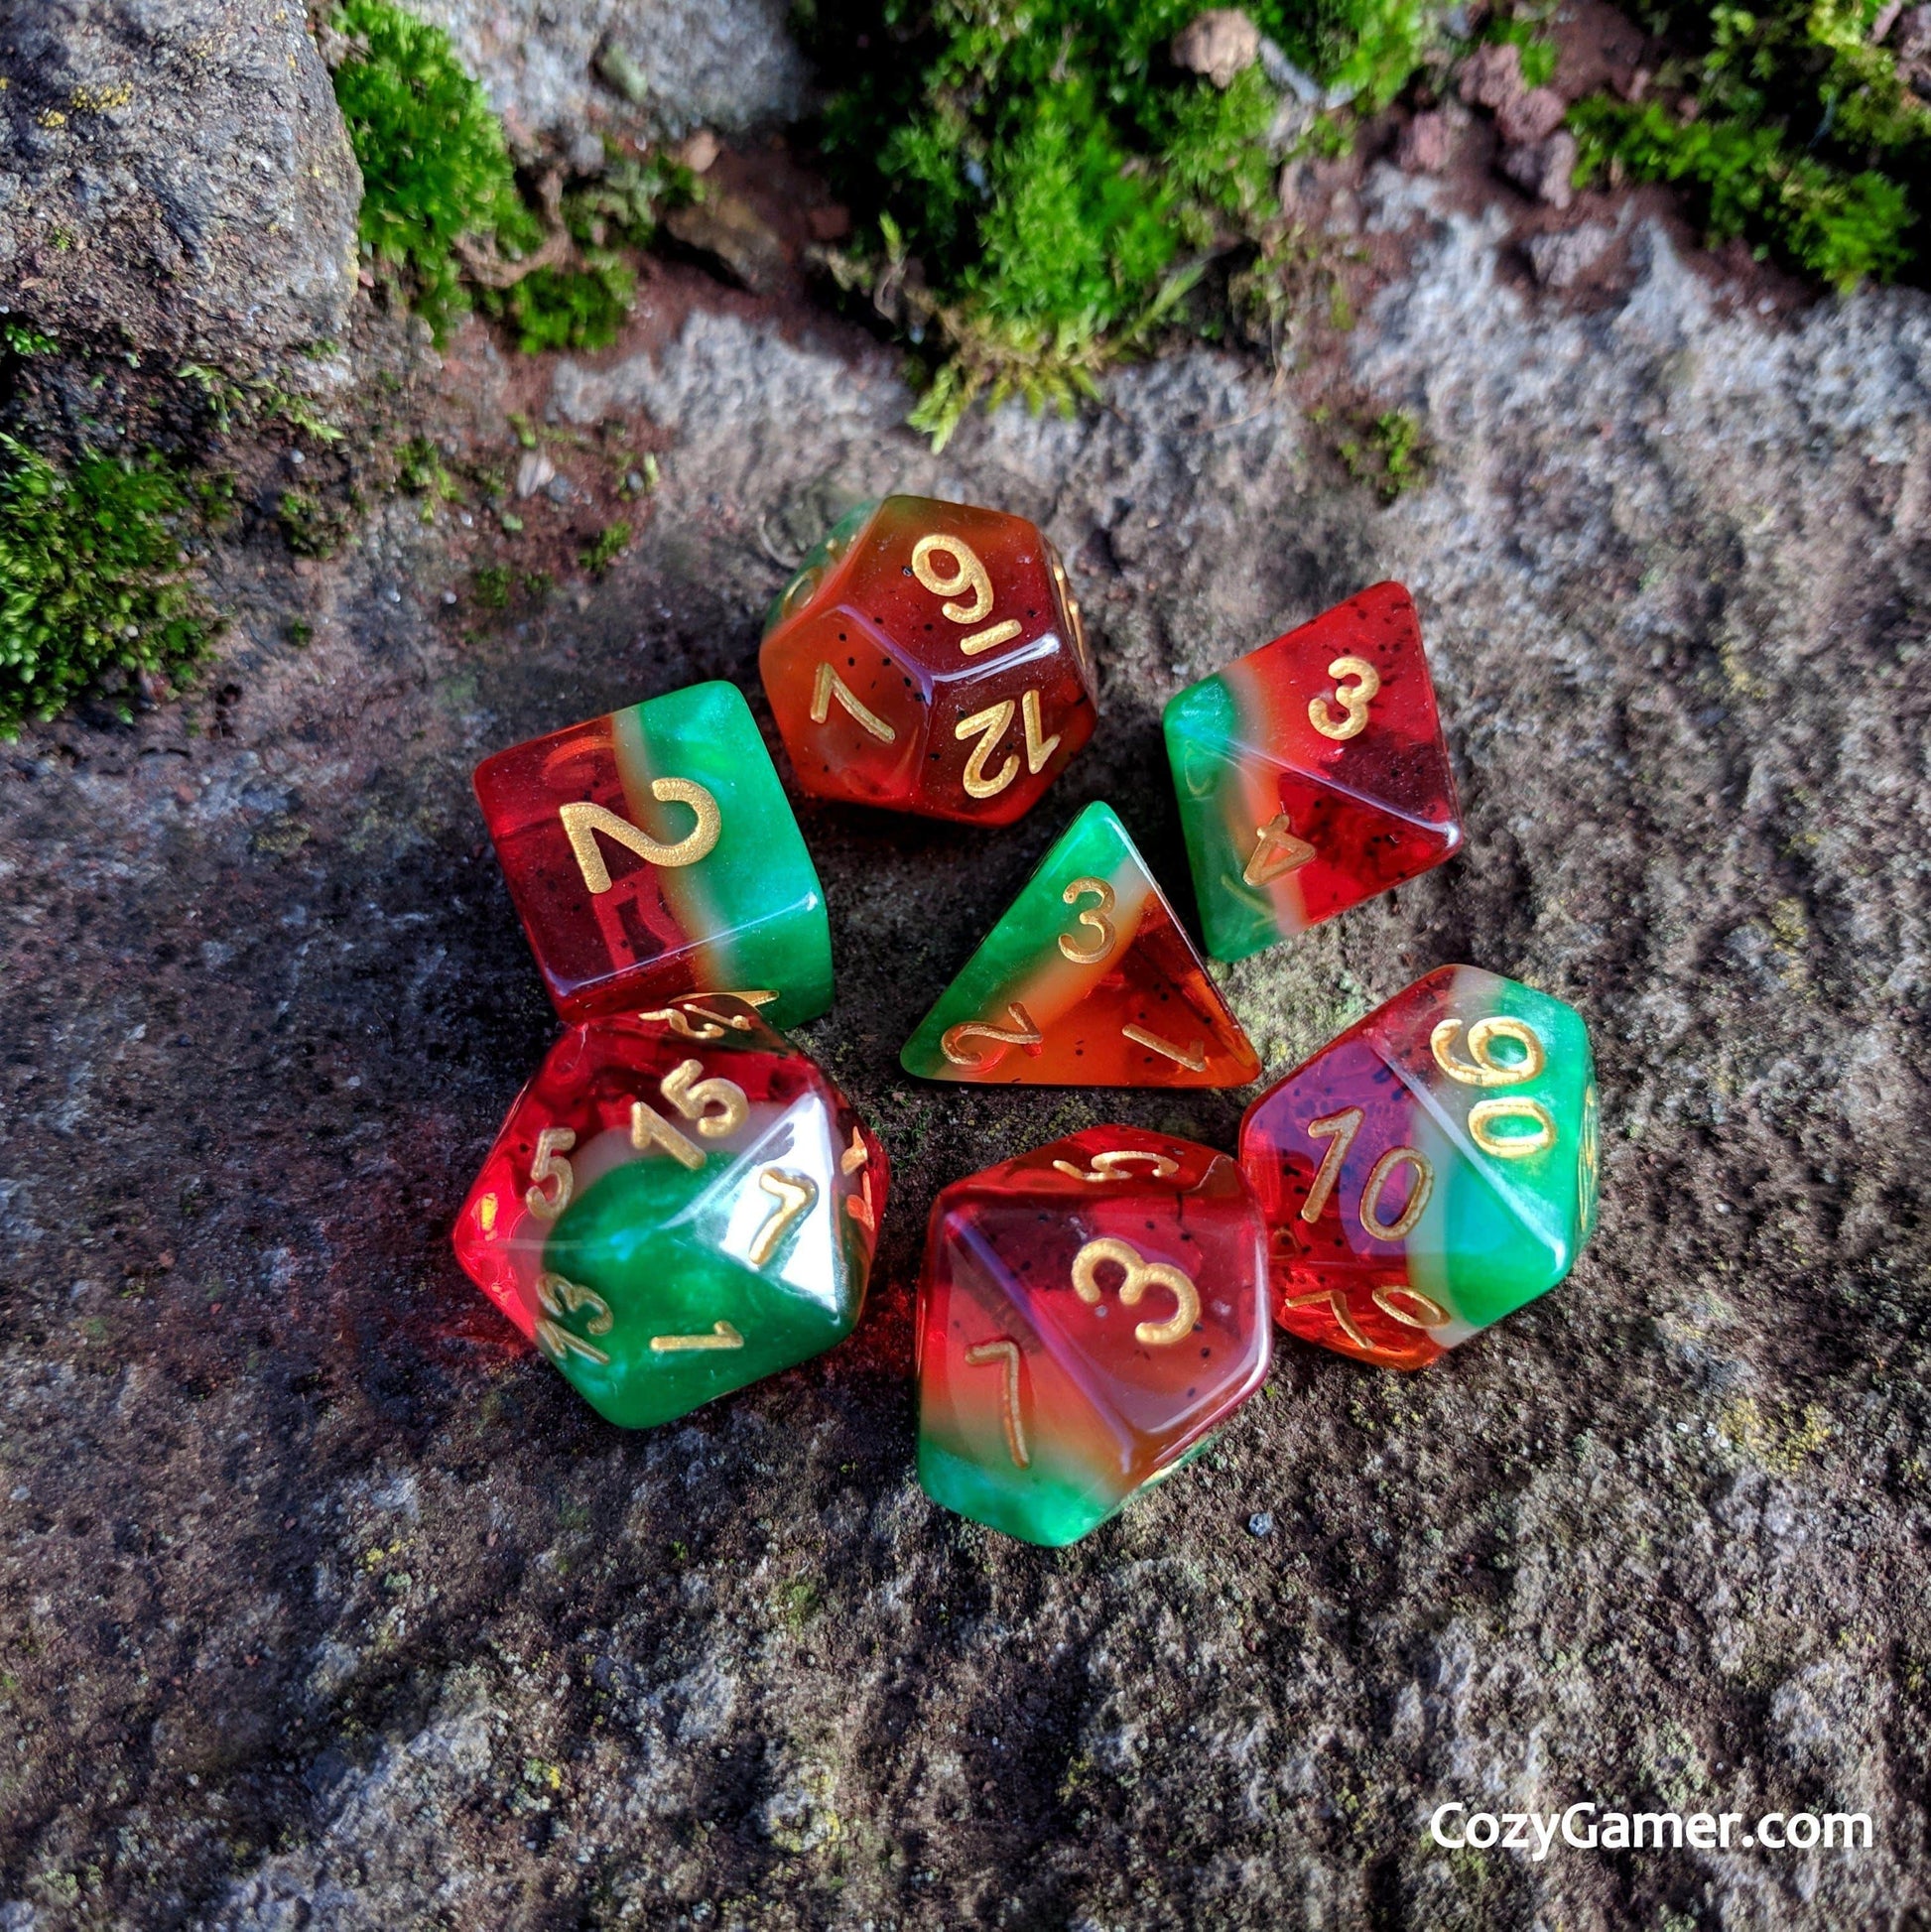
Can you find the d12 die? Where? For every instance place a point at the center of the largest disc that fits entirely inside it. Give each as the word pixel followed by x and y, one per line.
pixel 653 852
pixel 678 1204
pixel 929 657
pixel 1088 980
pixel 1312 774
pixel 1087 1315
pixel 1428 1171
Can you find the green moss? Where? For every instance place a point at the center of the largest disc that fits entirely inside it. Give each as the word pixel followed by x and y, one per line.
pixel 1538 52
pixel 93 578
pixel 23 339
pixel 1805 138
pixel 1390 455
pixel 310 525
pixel 571 309
pixel 492 583
pixel 608 547
pixel 435 170
pixel 1042 187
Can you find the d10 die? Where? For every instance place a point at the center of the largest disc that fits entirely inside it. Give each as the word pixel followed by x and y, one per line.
pixel 1087 1315
pixel 929 657
pixel 1087 980
pixel 653 852
pixel 1312 774
pixel 1428 1171
pixel 679 1203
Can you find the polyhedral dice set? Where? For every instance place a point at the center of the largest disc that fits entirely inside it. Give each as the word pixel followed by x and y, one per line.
pixel 681 1202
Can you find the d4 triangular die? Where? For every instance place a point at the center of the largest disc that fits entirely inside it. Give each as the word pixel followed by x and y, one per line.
pixel 1312 774
pixel 1086 980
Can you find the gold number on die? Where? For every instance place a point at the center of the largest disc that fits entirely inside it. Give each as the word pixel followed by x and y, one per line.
pixel 548 1165
pixel 1483 1068
pixel 1103 934
pixel 1357 683
pixel 583 822
pixel 1140 1274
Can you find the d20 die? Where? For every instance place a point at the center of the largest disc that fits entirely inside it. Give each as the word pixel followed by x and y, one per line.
pixel 1312 774
pixel 1428 1171
pixel 929 657
pixel 653 852
pixel 1088 1314
pixel 678 1204
pixel 1088 980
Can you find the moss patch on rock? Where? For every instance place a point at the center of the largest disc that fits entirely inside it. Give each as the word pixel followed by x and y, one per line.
pixel 93 585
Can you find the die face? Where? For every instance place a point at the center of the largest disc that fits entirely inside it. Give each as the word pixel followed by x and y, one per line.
pixel 680 1203
pixel 1312 774
pixel 1431 1170
pixel 1088 1315
pixel 652 852
pixel 1087 980
pixel 932 661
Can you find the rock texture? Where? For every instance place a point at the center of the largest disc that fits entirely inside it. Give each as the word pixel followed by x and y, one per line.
pixel 324 1602
pixel 174 175
pixel 560 71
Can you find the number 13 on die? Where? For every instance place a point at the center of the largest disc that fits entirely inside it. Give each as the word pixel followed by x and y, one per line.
pixel 1429 1171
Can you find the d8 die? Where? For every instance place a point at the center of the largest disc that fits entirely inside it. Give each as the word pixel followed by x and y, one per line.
pixel 929 657
pixel 1428 1171
pixel 653 852
pixel 1312 774
pixel 678 1204
pixel 1088 1314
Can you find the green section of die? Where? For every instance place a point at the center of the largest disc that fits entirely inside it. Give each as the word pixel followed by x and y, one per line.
pixel 754 898
pixel 1499 1231
pixel 825 552
pixel 1094 845
pixel 1202 728
pixel 622 1241
pixel 1044 1503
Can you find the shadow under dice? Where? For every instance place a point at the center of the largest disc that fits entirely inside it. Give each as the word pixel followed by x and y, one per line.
pixel 679 1203
pixel 1432 1169
pixel 1312 774
pixel 653 852
pixel 1088 1314
pixel 929 657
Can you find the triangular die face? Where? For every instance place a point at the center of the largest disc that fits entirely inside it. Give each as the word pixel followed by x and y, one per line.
pixel 1312 774
pixel 1086 980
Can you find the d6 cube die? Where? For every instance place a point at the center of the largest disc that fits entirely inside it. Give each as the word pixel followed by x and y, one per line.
pixel 1312 774
pixel 1428 1171
pixel 679 1203
pixel 1088 1315
pixel 652 852
pixel 929 657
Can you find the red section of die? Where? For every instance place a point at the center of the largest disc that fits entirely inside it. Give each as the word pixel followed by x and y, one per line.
pixel 932 661
pixel 581 1097
pixel 1326 1274
pixel 1129 1269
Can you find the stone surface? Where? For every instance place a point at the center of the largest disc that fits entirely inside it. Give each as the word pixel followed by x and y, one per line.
pixel 174 175
pixel 322 1601
pixel 1220 44
pixel 555 70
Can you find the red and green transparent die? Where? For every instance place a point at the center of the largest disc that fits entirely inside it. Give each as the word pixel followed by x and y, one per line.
pixel 1088 1314
pixel 679 1203
pixel 929 657
pixel 1312 774
pixel 1429 1171
pixel 653 852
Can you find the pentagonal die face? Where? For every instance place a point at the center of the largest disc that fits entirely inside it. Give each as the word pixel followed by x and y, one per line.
pixel 1429 1171
pixel 929 657
pixel 679 1203
pixel 1088 1313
